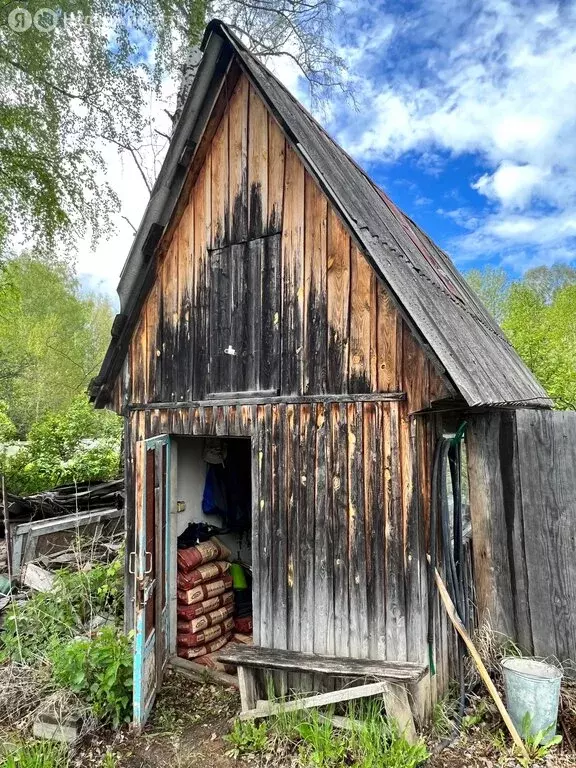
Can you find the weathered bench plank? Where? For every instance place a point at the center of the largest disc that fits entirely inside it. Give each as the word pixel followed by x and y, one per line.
pixel 272 658
pixel 265 709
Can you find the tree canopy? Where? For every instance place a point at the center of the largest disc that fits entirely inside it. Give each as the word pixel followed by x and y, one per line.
pixel 52 338
pixel 79 76
pixel 538 314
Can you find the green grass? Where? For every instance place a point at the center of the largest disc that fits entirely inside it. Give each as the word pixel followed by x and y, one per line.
pixel 37 754
pixel 369 740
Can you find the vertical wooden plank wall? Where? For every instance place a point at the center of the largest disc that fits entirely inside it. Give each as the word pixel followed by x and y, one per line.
pixel 320 320
pixel 258 254
pixel 332 555
pixel 489 528
pixel 522 491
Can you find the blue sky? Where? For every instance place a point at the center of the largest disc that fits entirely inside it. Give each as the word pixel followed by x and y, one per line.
pixel 466 116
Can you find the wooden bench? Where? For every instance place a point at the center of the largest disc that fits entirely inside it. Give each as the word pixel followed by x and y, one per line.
pixel 389 679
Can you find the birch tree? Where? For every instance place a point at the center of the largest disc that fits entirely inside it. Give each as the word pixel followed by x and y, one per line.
pixel 76 75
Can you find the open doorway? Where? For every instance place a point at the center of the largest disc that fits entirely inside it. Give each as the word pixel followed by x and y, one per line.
pixel 211 538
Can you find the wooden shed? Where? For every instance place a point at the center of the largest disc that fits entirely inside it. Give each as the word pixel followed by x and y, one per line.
pixel 276 298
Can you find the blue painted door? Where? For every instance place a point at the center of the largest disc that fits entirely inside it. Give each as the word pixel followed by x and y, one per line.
pixel 150 566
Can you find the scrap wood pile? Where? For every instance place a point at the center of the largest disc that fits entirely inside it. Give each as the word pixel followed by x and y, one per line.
pixel 64 500
pixel 88 531
pixel 83 552
pixel 208 614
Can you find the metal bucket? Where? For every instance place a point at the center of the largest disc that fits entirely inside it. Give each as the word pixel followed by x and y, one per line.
pixel 532 696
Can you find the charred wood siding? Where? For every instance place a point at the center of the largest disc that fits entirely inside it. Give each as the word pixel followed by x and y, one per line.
pixel 335 565
pixel 257 260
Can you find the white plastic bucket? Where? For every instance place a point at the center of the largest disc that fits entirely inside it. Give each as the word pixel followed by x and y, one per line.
pixel 532 696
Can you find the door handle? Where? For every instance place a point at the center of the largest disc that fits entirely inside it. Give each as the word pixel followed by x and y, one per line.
pixel 132 563
pixel 147 563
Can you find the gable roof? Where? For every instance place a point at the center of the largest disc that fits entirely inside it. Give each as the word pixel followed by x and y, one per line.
pixel 438 304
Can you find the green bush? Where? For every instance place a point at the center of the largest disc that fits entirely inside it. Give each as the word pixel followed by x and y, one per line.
pixel 56 617
pixel 76 445
pixel 49 630
pixel 98 670
pixel 8 429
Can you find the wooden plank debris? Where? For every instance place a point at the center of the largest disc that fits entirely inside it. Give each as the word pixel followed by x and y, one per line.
pixel 321 700
pixel 37 578
pixel 200 673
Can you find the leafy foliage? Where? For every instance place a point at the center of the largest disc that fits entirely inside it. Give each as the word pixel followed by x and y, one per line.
pixel 76 445
pixel 246 738
pixel 492 286
pixel 49 631
pixel 538 744
pixel 52 338
pixel 538 314
pixel 83 80
pixel 99 670
pixel 53 619
pixel 8 429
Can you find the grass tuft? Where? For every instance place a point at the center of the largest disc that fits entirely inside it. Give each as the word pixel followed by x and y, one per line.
pixel 37 754
pixel 319 739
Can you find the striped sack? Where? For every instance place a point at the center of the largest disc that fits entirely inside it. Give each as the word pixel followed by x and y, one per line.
pixel 202 650
pixel 192 557
pixel 208 620
pixel 201 574
pixel 193 639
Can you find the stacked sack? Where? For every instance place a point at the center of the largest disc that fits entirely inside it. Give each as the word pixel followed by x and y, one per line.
pixel 205 599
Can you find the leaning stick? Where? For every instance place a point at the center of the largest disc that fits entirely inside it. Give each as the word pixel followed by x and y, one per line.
pixel 460 628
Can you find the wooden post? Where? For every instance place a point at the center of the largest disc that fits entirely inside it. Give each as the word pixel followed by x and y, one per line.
pixel 7 536
pixel 247 685
pixel 398 708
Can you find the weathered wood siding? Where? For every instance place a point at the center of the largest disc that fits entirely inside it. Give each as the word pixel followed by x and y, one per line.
pixel 256 259
pixel 338 541
pixel 523 503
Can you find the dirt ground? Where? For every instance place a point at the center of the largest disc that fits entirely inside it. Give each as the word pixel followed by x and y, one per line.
pixel 185 730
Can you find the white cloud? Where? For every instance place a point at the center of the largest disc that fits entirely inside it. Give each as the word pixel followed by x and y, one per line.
pixel 512 185
pixel 497 80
